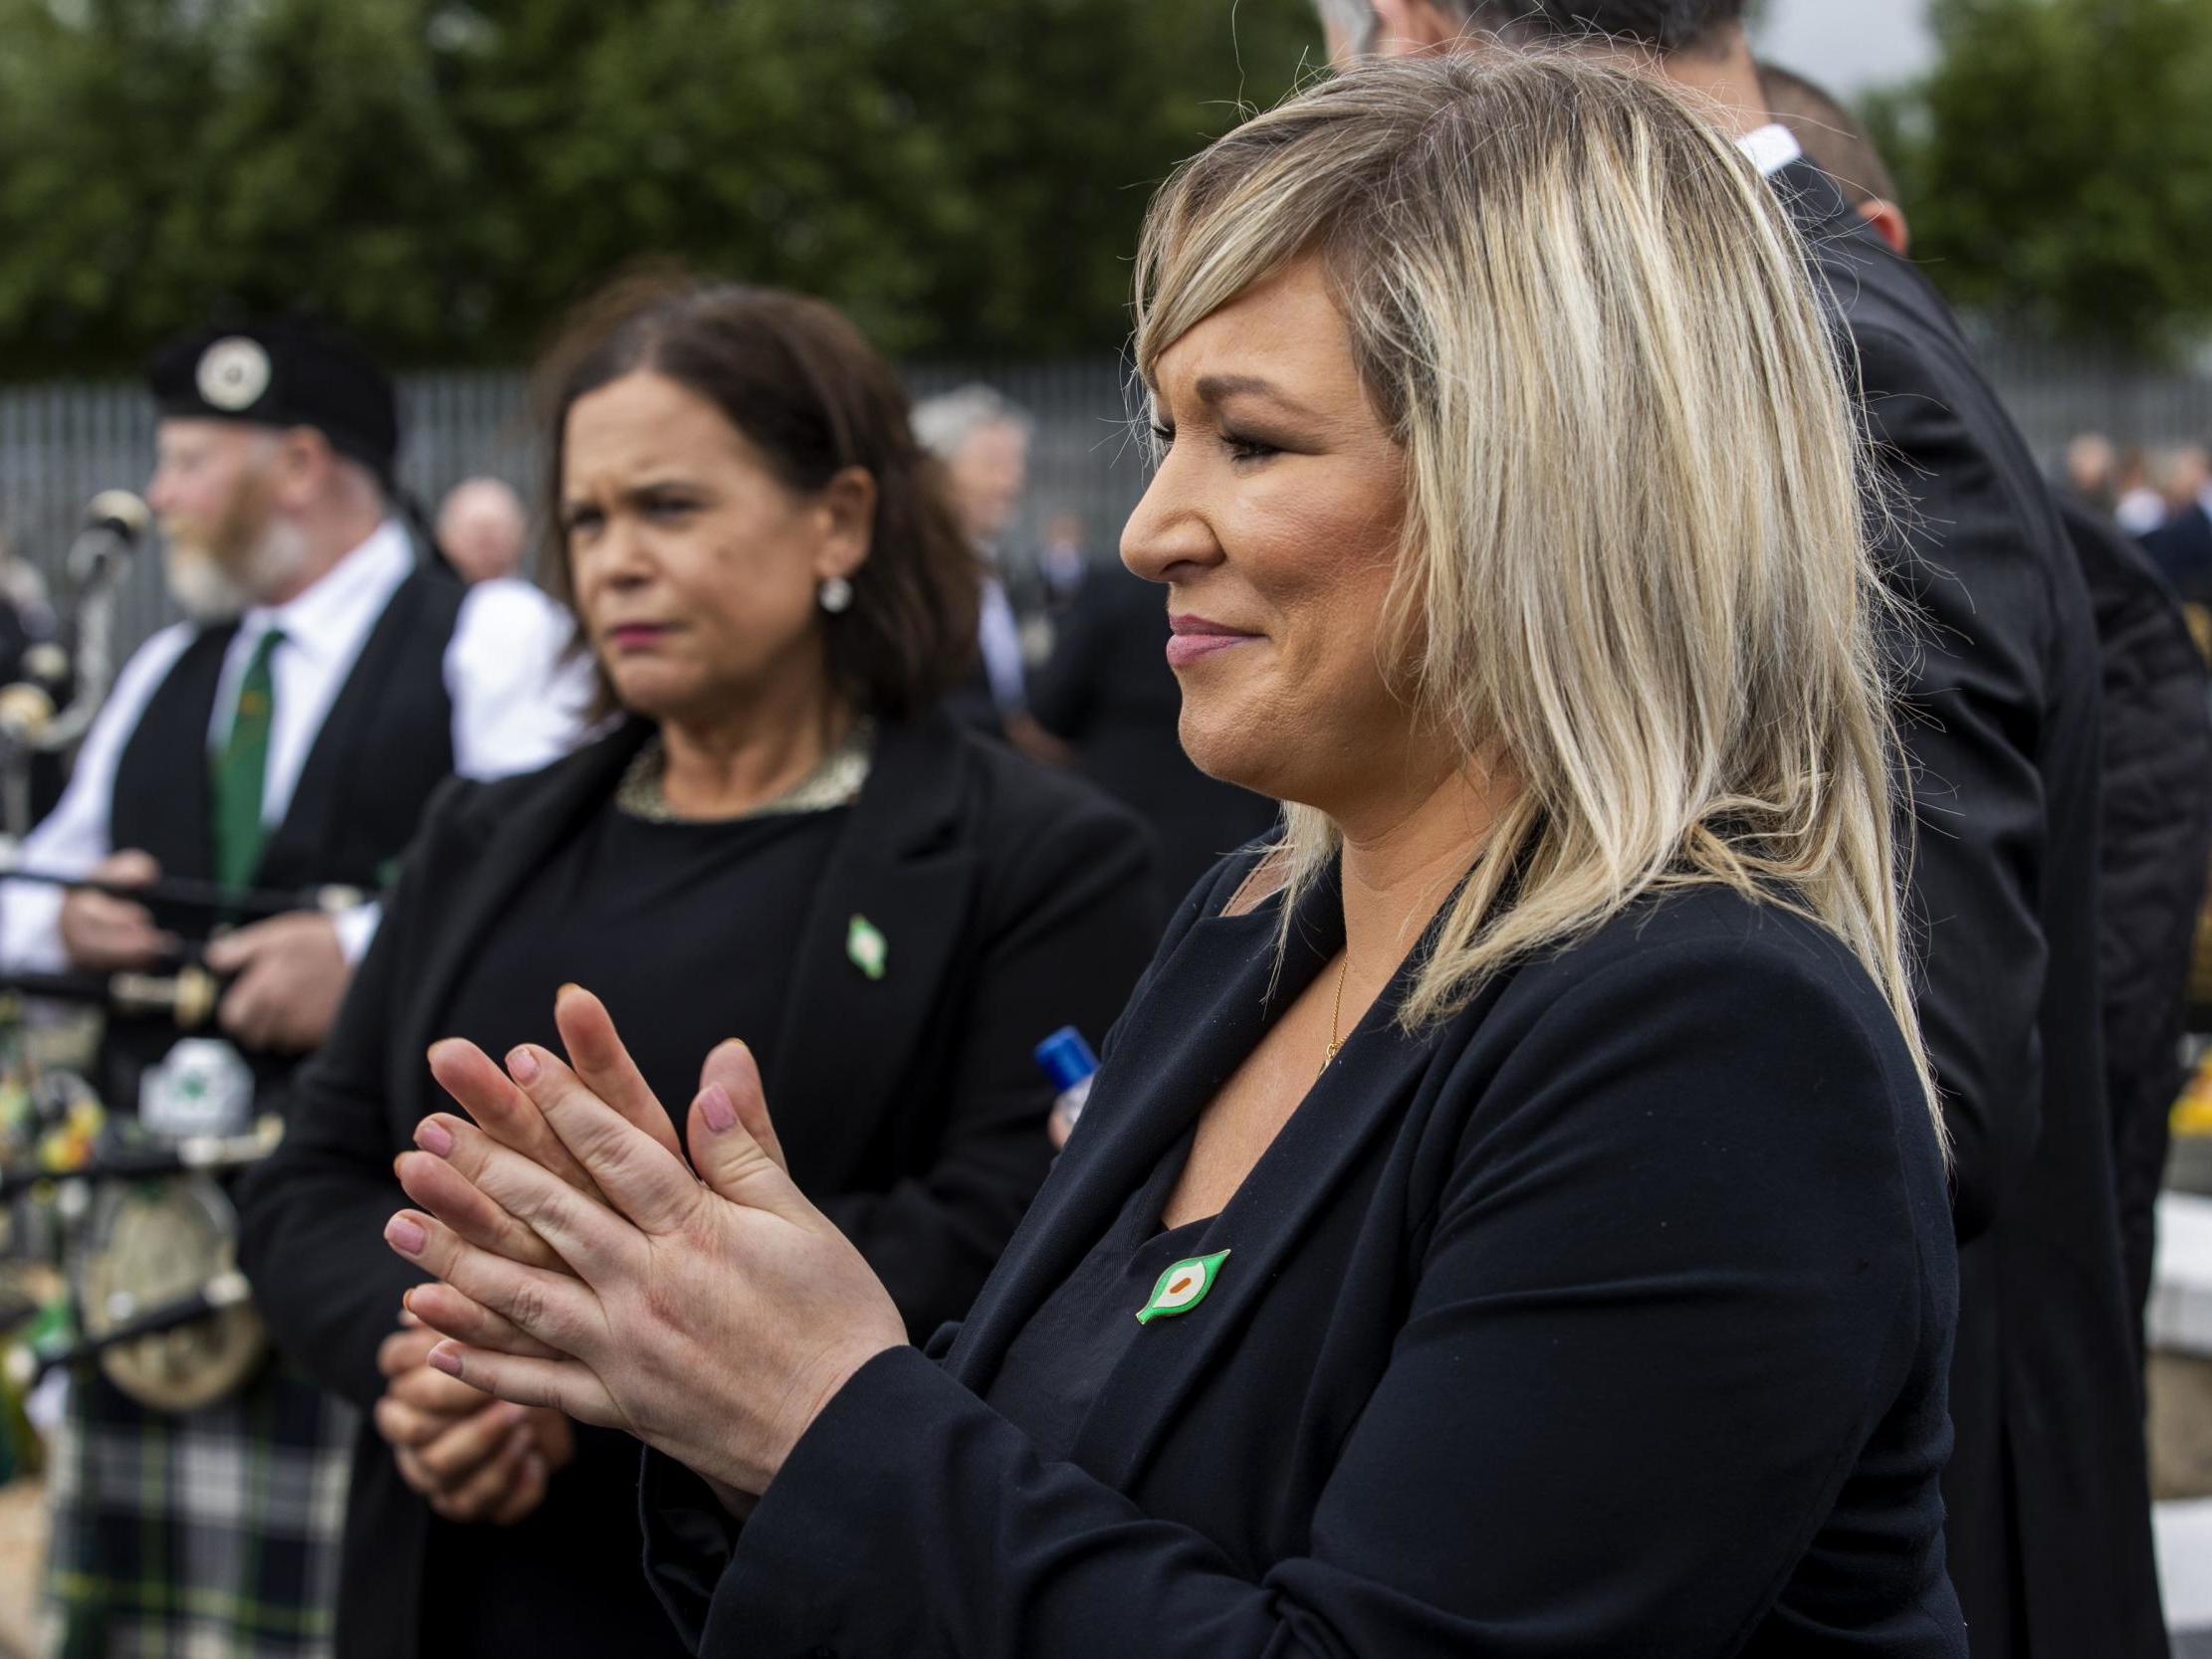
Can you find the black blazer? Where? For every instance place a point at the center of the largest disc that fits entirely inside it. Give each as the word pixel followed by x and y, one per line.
pixel 1016 900
pixel 2049 1496
pixel 1612 1317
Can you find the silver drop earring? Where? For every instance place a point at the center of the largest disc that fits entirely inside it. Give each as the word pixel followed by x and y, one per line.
pixel 835 595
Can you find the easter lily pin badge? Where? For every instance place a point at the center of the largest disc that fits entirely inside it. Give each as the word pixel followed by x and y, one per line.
pixel 1182 1287
pixel 869 949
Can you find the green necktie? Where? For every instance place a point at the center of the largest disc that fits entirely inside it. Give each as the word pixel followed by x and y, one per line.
pixel 240 770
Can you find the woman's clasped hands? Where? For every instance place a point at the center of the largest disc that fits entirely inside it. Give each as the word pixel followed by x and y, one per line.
pixel 583 1265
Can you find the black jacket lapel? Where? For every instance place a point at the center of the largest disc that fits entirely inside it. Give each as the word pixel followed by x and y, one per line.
pixel 161 794
pixel 1362 1096
pixel 900 875
pixel 1192 1028
pixel 517 848
pixel 1203 1010
pixel 386 742
pixel 1163 1066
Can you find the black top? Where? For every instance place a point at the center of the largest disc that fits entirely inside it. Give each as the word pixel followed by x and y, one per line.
pixel 1611 1315
pixel 1057 1368
pixel 1011 902
pixel 2048 1494
pixel 645 912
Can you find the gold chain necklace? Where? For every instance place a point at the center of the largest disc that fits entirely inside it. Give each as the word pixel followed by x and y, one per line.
pixel 1336 1019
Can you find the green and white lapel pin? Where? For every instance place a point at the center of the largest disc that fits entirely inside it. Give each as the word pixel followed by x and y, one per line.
pixel 865 944
pixel 1182 1287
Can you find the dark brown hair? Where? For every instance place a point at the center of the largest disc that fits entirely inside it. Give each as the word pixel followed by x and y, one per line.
pixel 808 391
pixel 1661 25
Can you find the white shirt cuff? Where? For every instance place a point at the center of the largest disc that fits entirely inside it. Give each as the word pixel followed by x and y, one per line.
pixel 355 928
pixel 31 929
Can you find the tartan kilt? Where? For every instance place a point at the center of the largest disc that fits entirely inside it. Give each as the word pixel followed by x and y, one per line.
pixel 201 1534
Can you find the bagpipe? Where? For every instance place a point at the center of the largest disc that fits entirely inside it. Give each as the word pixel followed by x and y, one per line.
pixel 60 688
pixel 117 1225
pixel 137 1242
pixel 117 1237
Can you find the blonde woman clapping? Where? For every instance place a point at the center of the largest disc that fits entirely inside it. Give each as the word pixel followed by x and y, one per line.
pixel 1511 1218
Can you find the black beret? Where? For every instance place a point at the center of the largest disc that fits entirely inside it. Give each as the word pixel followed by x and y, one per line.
pixel 285 372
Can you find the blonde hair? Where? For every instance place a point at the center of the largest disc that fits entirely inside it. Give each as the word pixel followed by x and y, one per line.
pixel 1636 556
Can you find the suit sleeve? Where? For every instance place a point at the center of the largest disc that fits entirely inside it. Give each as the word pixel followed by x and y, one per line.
pixel 1683 1266
pixel 1975 693
pixel 312 1217
pixel 73 837
pixel 1074 925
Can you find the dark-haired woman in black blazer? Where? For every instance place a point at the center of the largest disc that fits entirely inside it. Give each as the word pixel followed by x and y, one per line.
pixel 784 841
pixel 1510 1221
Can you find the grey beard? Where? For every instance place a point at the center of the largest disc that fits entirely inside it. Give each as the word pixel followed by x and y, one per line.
pixel 206 592
pixel 203 589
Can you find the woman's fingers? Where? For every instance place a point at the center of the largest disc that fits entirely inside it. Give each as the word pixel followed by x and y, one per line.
pixel 733 1163
pixel 447 1183
pixel 482 1493
pixel 587 1237
pixel 450 1314
pixel 433 1391
pixel 526 1494
pixel 413 1471
pixel 603 1063
pixel 404 1349
pixel 641 1178
pixel 558 1311
pixel 570 1386
pixel 501 1110
pixel 468 1444
pixel 730 1064
pixel 408 1426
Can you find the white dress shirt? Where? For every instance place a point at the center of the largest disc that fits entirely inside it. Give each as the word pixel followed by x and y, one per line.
pixel 517 706
pixel 998 637
pixel 1771 148
pixel 2143 511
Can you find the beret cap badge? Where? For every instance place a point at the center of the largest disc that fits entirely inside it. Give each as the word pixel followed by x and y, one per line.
pixel 233 374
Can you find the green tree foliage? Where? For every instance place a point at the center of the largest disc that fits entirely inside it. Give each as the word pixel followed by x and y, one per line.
pixel 2056 166
pixel 963 175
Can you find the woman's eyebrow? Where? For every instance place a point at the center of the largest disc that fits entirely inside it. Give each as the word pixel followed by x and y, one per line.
pixel 646 489
pixel 1219 388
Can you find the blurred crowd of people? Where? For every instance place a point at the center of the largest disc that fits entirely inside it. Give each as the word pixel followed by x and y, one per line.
pixel 2161 495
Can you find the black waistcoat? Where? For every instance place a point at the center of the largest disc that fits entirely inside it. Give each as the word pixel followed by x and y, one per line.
pixel 385 744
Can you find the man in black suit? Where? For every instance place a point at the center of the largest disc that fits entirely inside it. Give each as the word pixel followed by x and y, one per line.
pixel 2156 834
pixel 2181 547
pixel 2049 1527
pixel 330 677
pixel 983 440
